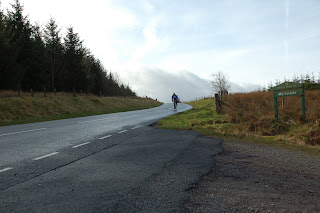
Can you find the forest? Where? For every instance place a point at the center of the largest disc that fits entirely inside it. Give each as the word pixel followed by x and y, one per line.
pixel 40 59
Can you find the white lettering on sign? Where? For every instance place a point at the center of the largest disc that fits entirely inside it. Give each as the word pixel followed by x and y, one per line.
pixel 287 93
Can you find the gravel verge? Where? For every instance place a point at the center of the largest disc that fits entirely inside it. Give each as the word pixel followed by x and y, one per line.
pixel 255 178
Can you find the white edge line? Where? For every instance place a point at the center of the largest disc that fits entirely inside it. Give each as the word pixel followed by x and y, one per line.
pixel 45 156
pixel 122 131
pixel 80 145
pixel 136 127
pixel 13 133
pixel 105 137
pixel 5 169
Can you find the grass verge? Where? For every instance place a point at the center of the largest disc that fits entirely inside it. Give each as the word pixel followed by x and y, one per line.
pixel 19 110
pixel 203 119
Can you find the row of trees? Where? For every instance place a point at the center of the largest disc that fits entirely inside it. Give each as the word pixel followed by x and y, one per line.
pixel 309 80
pixel 35 58
pixel 220 82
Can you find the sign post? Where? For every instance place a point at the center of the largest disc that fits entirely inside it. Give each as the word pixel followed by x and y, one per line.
pixel 303 102
pixel 289 89
pixel 276 108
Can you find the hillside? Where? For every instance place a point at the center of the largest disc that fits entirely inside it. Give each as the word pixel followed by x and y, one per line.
pixel 26 109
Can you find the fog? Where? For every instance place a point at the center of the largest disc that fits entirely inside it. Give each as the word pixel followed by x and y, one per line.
pixel 160 84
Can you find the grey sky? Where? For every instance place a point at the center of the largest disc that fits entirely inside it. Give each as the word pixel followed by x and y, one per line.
pixel 158 46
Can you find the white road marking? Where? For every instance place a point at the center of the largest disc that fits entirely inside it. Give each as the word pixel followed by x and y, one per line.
pixel 5 169
pixel 32 130
pixel 105 137
pixel 122 131
pixel 136 127
pixel 45 156
pixel 93 120
pixel 81 145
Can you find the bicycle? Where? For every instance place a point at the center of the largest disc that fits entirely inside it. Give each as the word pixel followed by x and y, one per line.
pixel 175 103
pixel 175 100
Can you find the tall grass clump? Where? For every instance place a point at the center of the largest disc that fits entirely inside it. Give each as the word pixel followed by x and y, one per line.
pixel 254 112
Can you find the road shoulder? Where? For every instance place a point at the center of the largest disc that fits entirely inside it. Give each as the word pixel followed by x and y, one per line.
pixel 168 190
pixel 258 178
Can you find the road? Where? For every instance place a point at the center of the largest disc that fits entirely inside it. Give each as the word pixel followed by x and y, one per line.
pixel 106 163
pixel 29 141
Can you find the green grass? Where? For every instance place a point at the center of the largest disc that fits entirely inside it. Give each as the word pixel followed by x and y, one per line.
pixel 203 119
pixel 19 110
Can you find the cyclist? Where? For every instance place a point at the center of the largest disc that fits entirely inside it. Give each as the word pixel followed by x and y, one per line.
pixel 175 100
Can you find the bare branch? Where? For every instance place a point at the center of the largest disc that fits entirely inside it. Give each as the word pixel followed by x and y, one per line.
pixel 220 83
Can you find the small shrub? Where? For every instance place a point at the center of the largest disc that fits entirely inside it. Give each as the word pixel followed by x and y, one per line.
pixel 313 137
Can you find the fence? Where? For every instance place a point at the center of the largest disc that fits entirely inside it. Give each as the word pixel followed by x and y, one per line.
pixel 219 103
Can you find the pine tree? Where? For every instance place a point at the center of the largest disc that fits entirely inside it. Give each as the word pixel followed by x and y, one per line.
pixel 75 75
pixel 97 76
pixel 19 32
pixel 4 50
pixel 36 75
pixel 53 53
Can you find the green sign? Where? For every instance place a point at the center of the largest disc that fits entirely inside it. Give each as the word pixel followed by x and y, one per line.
pixel 283 93
pixel 289 89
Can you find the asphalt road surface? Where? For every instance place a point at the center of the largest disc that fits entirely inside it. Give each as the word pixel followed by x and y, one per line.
pixel 106 163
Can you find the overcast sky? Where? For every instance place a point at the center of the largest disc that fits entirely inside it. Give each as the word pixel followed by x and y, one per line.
pixel 165 46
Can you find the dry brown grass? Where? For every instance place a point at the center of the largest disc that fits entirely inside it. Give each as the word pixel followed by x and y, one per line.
pixel 254 112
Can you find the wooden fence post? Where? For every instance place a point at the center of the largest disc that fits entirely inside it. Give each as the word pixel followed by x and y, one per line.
pixel 19 90
pixel 218 103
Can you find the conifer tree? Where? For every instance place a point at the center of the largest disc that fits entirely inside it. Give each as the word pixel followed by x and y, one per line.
pixel 4 50
pixel 53 53
pixel 36 76
pixel 75 75
pixel 19 32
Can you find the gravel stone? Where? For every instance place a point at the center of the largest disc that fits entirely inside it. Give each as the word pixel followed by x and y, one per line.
pixel 256 178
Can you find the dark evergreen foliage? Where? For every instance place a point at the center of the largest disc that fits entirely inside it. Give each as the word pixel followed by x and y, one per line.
pixel 54 55
pixel 4 51
pixel 39 59
pixel 310 82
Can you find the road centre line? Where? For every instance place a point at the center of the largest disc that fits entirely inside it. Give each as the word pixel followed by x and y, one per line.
pixel 136 127
pixel 32 130
pixel 5 169
pixel 80 145
pixel 122 131
pixel 45 156
pixel 93 120
pixel 105 137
